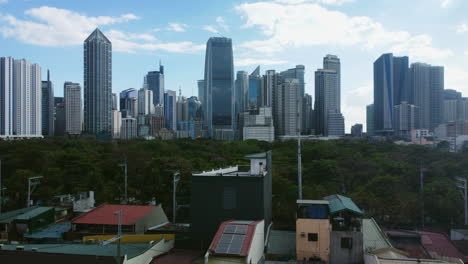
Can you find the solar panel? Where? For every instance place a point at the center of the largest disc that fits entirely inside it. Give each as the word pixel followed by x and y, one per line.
pixel 235 229
pixel 240 222
pixel 230 229
pixel 230 244
pixel 241 229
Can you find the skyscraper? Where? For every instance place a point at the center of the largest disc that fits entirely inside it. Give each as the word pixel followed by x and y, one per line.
pixel 145 102
pixel 242 91
pixel 405 119
pixel 296 73
pixel 332 62
pixel 383 94
pixel 20 98
pixel 307 114
pixel 326 99
pixel 72 96
pixel 436 96
pixel 98 84
pixel 420 85
pixel 270 80
pixel 170 110
pixel 218 106
pixel 155 82
pixel 290 101
pixel 254 99
pixel 60 120
pixel 129 102
pixel 401 89
pixel 201 90
pixel 114 102
pixel 47 107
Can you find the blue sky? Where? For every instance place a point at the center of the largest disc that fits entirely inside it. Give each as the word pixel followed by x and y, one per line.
pixel 275 34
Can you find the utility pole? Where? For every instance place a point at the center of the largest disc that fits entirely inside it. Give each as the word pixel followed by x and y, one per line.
pixel 124 164
pixel 463 186
pixel 176 179
pixel 32 183
pixel 299 156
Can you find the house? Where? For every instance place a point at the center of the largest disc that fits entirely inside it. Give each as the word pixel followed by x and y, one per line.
pixel 346 235
pixel 313 231
pixel 104 219
pixel 237 242
pixel 131 253
pixel 80 203
pixel 237 192
pixel 14 224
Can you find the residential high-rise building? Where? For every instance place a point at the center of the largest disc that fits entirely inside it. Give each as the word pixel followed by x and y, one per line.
pixel 155 82
pixel 72 96
pixel 145 102
pixel 370 120
pixel 181 109
pixel 47 107
pixel 405 119
pixel 129 128
pixel 326 99
pixel 194 108
pixel 170 109
pixel 427 86
pixel 296 73
pixel 291 107
pixel 218 106
pixel 254 95
pixel 335 124
pixel 129 102
pixel 116 123
pixel 332 62
pixel 20 98
pixel 98 84
pixel 307 114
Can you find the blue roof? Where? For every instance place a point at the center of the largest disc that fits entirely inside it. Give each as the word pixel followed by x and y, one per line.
pixel 51 231
pixel 23 214
pixel 339 203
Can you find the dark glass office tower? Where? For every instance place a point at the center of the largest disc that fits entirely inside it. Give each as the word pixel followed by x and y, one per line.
pixel 383 94
pixel 219 83
pixel 401 91
pixel 98 85
pixel 155 83
pixel 47 107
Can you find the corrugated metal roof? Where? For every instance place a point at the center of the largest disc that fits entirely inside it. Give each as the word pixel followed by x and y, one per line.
pixel 106 214
pixel 374 238
pixel 52 231
pixel 340 203
pixel 131 250
pixel 23 214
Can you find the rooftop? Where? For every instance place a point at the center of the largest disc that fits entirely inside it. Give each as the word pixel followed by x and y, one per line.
pixel 339 203
pixel 23 214
pixel 233 238
pixel 131 250
pixel 439 244
pixel 106 214
pixel 258 167
pixel 52 231
pixel 374 238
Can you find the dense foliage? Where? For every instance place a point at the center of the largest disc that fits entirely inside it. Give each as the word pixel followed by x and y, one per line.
pixel 381 177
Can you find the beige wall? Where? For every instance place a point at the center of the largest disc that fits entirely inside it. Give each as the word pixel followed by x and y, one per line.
pixel 307 249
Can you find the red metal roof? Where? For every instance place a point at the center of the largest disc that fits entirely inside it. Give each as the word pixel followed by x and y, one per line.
pixel 106 214
pixel 438 244
pixel 246 243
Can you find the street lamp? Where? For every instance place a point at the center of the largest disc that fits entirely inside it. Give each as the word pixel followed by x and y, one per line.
pixel 32 183
pixel 461 184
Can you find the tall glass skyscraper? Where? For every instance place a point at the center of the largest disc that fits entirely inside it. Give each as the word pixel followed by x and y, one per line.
pixel 296 73
pixel 255 90
pixel 154 81
pixel 98 84
pixel 218 106
pixel 47 107
pixel 383 94
pixel 170 109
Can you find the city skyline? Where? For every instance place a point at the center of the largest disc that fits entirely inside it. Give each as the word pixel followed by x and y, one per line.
pixel 177 39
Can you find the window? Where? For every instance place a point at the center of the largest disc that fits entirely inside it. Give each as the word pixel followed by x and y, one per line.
pixel 312 237
pixel 346 242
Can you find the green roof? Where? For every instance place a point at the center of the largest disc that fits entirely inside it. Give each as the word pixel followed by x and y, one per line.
pixel 340 203
pixel 373 236
pixel 10 216
pixel 131 250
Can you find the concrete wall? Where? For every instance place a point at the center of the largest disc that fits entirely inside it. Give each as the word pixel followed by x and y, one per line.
pixel 258 244
pixel 339 255
pixel 309 249
pixel 159 248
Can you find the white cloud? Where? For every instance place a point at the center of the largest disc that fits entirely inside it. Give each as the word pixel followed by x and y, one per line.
pixel 177 27
pixel 308 24
pixel 420 47
pixel 210 28
pixel 222 24
pixel 3 2
pixel 446 3
pixel 54 27
pixel 456 78
pixel 327 2
pixel 251 61
pixel 462 28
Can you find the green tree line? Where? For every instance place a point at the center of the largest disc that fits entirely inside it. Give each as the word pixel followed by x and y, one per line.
pixel 381 177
